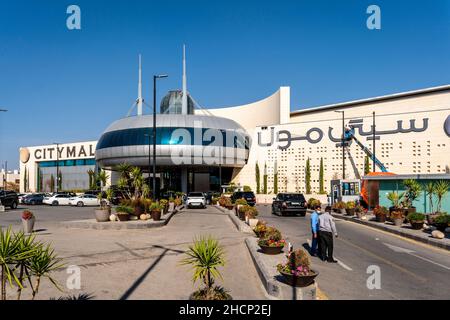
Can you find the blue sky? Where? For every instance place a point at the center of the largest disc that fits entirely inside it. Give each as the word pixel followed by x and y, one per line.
pixel 62 85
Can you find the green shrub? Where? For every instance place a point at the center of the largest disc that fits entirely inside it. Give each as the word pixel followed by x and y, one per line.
pixel 415 217
pixel 442 219
pixel 241 201
pixel 350 205
pixel 124 209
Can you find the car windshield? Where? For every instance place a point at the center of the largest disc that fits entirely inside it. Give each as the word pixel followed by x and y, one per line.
pixel 248 194
pixel 195 194
pixel 292 197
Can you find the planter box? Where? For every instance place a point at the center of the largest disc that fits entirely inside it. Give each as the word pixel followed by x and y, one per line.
pixel 28 225
pixel 102 215
pixel 299 281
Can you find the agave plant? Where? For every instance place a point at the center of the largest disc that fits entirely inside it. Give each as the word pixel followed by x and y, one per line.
pixel 441 189
pixel 413 191
pixel 395 198
pixel 205 255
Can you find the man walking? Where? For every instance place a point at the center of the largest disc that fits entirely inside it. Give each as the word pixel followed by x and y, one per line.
pixel 326 230
pixel 315 231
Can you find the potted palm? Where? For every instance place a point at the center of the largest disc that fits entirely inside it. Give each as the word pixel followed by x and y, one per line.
pixel 297 271
pixel 123 212
pixel 441 189
pixel 155 211
pixel 205 256
pixel 429 190
pixel 28 220
pixel 396 199
pixel 442 221
pixel 103 212
pixel 413 191
pixel 416 220
pixel 272 242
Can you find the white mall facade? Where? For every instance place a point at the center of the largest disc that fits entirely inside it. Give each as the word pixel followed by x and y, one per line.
pixel 412 136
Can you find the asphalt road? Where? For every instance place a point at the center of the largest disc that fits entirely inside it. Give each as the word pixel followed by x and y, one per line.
pixel 407 269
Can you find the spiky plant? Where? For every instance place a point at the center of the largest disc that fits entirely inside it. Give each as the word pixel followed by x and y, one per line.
pixel 441 189
pixel 205 256
pixel 429 189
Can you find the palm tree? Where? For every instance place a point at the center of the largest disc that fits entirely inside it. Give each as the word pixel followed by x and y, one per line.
pixel 124 169
pixel 42 264
pixel 205 255
pixel 102 176
pixel 137 181
pixel 413 191
pixel 441 190
pixel 429 189
pixel 92 179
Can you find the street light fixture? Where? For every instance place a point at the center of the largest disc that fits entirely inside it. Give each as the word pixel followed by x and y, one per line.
pixel 343 140
pixel 57 166
pixel 155 77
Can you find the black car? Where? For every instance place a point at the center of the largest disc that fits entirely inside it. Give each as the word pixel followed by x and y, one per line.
pixel 249 196
pixel 289 203
pixel 35 198
pixel 9 199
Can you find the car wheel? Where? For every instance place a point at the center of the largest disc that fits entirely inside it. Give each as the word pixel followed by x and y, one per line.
pixel 80 204
pixel 33 203
pixel 14 205
pixel 55 203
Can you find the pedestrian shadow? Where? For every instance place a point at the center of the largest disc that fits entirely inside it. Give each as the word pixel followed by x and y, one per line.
pixel 306 246
pixel 141 279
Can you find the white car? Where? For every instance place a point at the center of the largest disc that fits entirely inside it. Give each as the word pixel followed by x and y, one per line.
pixel 85 200
pixel 196 199
pixel 57 199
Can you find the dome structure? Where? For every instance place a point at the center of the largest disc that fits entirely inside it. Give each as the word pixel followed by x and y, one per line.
pixel 172 103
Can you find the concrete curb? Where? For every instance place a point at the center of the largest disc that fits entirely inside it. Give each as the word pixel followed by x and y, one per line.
pixel 117 225
pixel 398 231
pixel 240 225
pixel 267 274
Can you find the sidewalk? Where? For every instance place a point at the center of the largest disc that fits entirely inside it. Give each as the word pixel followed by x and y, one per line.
pixel 404 231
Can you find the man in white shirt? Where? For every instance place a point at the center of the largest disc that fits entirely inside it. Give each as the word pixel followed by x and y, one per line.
pixel 327 228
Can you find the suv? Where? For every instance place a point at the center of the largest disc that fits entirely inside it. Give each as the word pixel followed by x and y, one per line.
pixel 9 199
pixel 196 199
pixel 249 196
pixel 289 203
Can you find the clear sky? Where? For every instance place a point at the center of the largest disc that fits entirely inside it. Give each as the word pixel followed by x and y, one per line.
pixel 63 86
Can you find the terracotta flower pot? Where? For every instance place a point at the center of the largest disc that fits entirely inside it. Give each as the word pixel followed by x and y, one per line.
pixel 350 212
pixel 271 250
pixel 123 216
pixel 380 218
pixel 398 222
pixel 156 215
pixel 299 281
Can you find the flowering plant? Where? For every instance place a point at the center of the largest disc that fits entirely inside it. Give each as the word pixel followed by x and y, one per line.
pixel 298 264
pixel 272 243
pixel 27 215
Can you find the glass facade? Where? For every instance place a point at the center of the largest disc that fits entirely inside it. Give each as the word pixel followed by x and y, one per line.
pixel 171 103
pixel 73 175
pixel 164 136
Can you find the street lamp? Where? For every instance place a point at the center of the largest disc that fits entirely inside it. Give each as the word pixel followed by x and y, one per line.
pixel 3 110
pixel 373 142
pixel 149 135
pixel 160 76
pixel 343 139
pixel 57 166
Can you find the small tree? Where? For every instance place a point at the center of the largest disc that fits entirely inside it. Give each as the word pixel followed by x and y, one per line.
pixel 275 183
pixel 25 180
pixel 247 189
pixel 321 182
pixel 308 177
pixel 366 166
pixel 441 190
pixel 258 179
pixel 265 179
pixel 52 183
pixel 60 180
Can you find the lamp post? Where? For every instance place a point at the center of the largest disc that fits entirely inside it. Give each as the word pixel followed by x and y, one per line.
pixel 373 142
pixel 149 135
pixel 160 76
pixel 57 166
pixel 5 176
pixel 343 140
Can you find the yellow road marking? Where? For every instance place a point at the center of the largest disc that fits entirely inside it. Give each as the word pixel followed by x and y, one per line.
pixel 320 295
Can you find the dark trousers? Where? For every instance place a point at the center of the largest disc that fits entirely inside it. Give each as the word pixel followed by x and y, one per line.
pixel 326 244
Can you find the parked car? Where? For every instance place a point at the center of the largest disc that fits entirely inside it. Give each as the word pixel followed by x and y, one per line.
pixel 21 196
pixel 289 203
pixel 85 200
pixel 57 199
pixel 34 198
pixel 196 199
pixel 249 196
pixel 9 199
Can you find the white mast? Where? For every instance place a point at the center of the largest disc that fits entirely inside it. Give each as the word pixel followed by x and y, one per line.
pixel 139 100
pixel 184 101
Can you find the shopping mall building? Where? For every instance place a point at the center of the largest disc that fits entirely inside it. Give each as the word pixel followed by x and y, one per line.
pixel 201 149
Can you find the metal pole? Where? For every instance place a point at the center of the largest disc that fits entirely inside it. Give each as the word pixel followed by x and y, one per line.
pixel 374 168
pixel 220 168
pixel 6 175
pixel 343 147
pixel 149 158
pixel 57 169
pixel 154 138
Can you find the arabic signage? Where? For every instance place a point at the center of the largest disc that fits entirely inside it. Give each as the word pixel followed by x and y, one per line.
pixel 76 151
pixel 284 138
